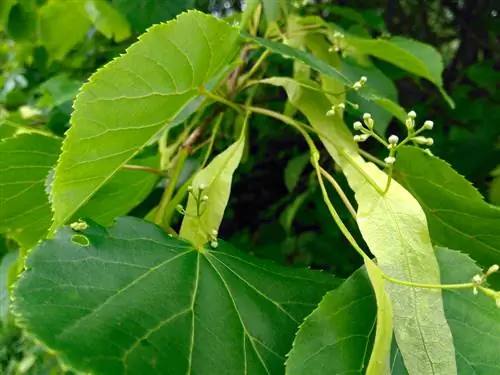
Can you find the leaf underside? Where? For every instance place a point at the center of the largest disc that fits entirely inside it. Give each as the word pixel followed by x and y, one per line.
pixel 137 301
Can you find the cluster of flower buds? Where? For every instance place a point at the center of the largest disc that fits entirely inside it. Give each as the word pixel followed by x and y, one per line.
pixel 359 84
pixel 479 279
pixel 338 41
pixel 213 239
pixel 413 134
pixel 338 108
pixel 198 197
pixel 366 129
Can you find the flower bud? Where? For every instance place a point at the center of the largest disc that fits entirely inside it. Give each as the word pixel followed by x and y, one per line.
pixel 429 141
pixel 494 268
pixel 190 188
pixel 204 198
pixel 214 244
pixel 331 112
pixel 410 124
pixel 367 116
pixel 412 114
pixel 361 138
pixel 428 125
pixel 358 125
pixel 363 80
pixel 393 139
pixel 341 106
pixel 390 160
pixel 202 187
pixel 420 140
pixel 477 279
pixel 214 232
pixel 356 86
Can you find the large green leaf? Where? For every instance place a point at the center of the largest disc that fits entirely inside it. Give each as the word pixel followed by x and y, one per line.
pixel 139 302
pixel 25 162
pixel 117 197
pixel 418 58
pixel 126 103
pixel 337 337
pixel 62 25
pixel 107 20
pixel 395 229
pixel 458 216
pixel 144 13
pixel 206 216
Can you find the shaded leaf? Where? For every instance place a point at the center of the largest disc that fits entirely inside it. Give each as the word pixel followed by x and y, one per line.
pixel 304 56
pixel 272 9
pixel 294 169
pixel 458 216
pixel 107 20
pixel 137 301
pixel 117 113
pixel 25 162
pixel 415 57
pixel 203 217
pixel 58 90
pixel 144 13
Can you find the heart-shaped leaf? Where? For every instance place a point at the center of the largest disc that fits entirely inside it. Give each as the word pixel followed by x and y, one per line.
pixel 135 301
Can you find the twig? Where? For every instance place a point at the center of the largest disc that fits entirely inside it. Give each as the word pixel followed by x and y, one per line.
pixel 132 167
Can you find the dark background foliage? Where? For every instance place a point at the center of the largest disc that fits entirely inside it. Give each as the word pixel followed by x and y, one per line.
pixel 261 205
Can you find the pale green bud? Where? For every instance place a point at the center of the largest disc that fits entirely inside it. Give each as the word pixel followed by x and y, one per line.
pixel 204 198
pixel 420 140
pixel 79 225
pixel 202 187
pixel 341 106
pixel 410 124
pixel 429 141
pixel 363 80
pixel 390 160
pixel 214 232
pixel 494 268
pixel 428 125
pixel 331 112
pixel 393 139
pixel 190 188
pixel 412 114
pixel 356 86
pixel 477 279
pixel 358 125
pixel 214 244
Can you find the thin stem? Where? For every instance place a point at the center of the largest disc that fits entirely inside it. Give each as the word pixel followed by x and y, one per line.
pixel 169 190
pixel 372 158
pixel 362 172
pixel 133 167
pixel 254 68
pixel 389 179
pixel 257 81
pixel 220 99
pixel 428 286
pixel 340 192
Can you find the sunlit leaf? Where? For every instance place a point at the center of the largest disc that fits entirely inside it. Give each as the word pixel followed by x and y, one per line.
pixel 203 217
pixel 62 25
pixel 107 20
pixel 136 301
pixel 127 102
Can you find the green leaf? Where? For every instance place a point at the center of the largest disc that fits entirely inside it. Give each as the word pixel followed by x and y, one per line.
pixel 458 216
pixel 393 226
pixel 117 197
pixel 22 22
pixel 337 337
pixel 415 57
pixel 305 57
pixel 107 20
pixel 294 169
pixel 202 218
pixel 137 301
pixel 144 13
pixel 25 162
pixel 272 10
pixel 8 273
pixel 62 25
pixel 58 90
pixel 126 103
pixel 5 8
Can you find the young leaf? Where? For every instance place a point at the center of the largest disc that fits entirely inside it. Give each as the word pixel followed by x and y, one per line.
pixel 395 229
pixel 458 216
pixel 126 103
pixel 137 301
pixel 305 57
pixel 418 58
pixel 203 217
pixel 25 162
pixel 107 20
pixel 142 14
